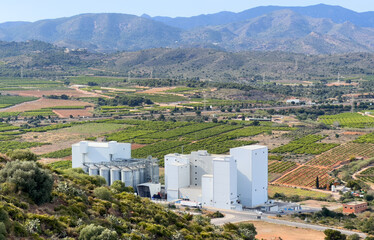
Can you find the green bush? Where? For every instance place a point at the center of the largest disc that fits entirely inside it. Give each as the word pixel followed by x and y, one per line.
pixel 22 155
pixel 29 178
pixel 3 232
pixel 93 232
pixel 103 193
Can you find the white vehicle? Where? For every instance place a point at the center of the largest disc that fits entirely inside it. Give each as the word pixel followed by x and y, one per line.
pixel 191 204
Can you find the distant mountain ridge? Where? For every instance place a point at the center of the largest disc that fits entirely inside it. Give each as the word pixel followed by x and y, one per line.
pixel 319 29
pixel 336 13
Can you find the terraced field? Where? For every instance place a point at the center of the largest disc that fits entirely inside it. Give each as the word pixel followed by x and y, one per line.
pixel 320 166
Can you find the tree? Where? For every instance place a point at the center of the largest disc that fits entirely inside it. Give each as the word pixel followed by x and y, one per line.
pixel 93 232
pixel 29 178
pixel 317 183
pixel 103 193
pixel 354 237
pixel 247 231
pixel 334 235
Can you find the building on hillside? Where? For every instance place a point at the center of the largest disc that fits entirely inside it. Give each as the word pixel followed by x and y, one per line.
pixel 113 161
pixel 355 207
pixel 222 181
pixel 293 101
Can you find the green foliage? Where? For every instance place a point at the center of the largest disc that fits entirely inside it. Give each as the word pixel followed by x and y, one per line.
pixel 13 100
pixel 93 232
pixel 12 145
pixel 29 178
pixel 306 145
pixel 58 154
pixel 281 167
pixel 354 120
pixel 334 235
pixel 103 193
pixel 119 187
pixel 3 232
pixel 62 165
pixel 22 155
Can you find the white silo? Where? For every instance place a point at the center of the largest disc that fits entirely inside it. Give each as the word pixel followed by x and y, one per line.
pixel 155 173
pixel 105 173
pixel 142 174
pixel 115 174
pixel 127 177
pixel 136 177
pixel 93 170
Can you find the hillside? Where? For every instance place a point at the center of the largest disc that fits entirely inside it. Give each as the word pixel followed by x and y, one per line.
pixel 40 59
pixel 336 13
pixel 54 203
pixel 319 29
pixel 288 31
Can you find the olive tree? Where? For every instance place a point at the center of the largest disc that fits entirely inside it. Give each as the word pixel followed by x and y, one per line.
pixel 28 177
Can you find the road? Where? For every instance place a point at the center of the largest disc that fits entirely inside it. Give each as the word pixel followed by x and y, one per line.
pixel 236 217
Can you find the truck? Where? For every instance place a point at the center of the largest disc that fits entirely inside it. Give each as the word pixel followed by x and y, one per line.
pixel 190 204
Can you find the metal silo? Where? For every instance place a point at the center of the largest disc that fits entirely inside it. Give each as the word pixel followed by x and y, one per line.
pixel 115 174
pixel 127 177
pixel 155 173
pixel 142 174
pixel 93 170
pixel 105 173
pixel 136 177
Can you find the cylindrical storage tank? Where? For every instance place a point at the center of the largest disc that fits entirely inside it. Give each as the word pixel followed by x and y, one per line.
pixel 136 177
pixel 105 173
pixel 156 173
pixel 93 170
pixel 85 168
pixel 142 174
pixel 127 177
pixel 115 174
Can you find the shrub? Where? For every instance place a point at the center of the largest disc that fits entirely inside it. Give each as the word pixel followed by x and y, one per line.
pixel 92 232
pixel 22 155
pixel 103 193
pixel 334 235
pixel 3 232
pixel 29 178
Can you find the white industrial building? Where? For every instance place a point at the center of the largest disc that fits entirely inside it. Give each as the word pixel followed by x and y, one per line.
pixel 113 161
pixel 222 181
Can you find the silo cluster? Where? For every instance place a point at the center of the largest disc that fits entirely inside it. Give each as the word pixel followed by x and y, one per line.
pixel 132 172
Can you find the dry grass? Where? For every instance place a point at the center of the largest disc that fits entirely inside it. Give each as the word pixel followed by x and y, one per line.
pixel 270 231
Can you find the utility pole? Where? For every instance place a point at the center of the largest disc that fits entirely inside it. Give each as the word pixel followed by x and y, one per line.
pixel 22 72
pixel 128 77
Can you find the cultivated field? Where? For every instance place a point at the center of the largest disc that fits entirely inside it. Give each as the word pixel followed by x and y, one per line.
pixel 44 103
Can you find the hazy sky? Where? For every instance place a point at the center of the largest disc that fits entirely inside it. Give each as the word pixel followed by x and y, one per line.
pixel 32 10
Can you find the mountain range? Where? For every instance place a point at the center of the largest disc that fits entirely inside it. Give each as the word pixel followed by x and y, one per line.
pixel 319 29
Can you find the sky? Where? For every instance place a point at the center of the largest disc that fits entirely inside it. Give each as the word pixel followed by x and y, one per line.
pixel 33 10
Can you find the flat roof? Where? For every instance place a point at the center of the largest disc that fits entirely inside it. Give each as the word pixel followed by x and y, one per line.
pixel 253 147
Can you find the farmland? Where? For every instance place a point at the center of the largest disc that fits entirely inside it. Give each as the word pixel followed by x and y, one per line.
pixel 367 175
pixel 354 120
pixel 320 166
pixel 7 101
pixel 305 145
